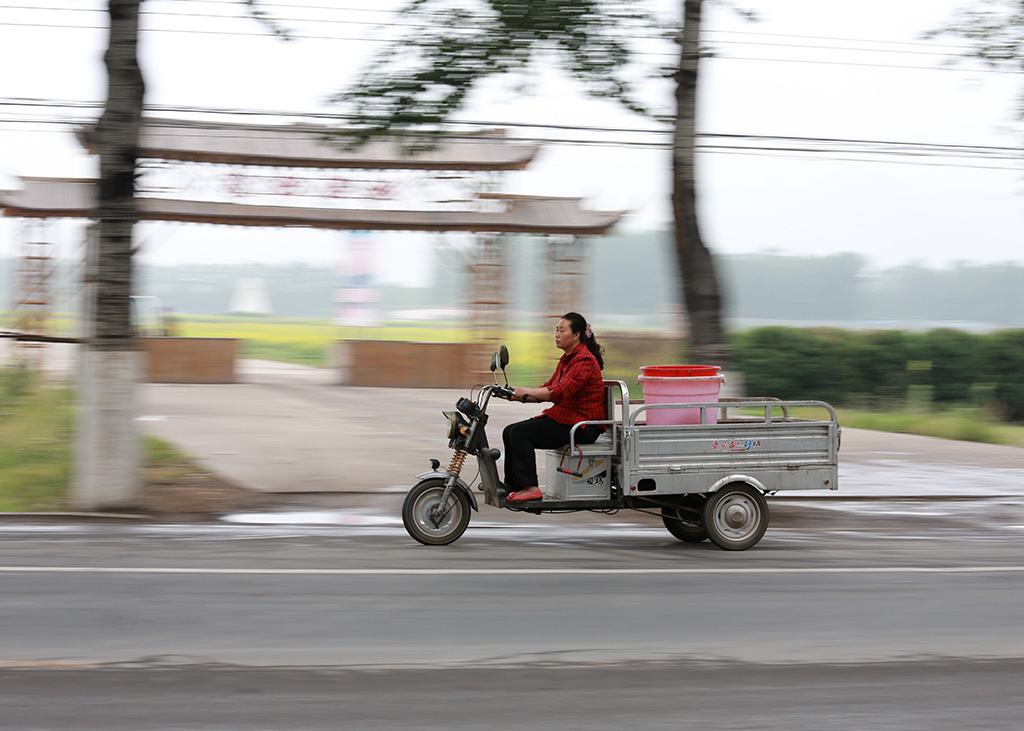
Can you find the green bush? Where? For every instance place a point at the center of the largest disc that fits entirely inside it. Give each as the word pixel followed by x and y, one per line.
pixel 879 360
pixel 1003 368
pixel 886 368
pixel 795 363
pixel 953 359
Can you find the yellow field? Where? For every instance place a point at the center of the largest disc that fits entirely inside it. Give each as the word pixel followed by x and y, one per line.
pixel 307 342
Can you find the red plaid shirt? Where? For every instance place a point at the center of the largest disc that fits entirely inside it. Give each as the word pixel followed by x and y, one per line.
pixel 577 388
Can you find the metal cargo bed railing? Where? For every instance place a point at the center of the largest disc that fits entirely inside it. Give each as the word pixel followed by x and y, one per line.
pixel 747 403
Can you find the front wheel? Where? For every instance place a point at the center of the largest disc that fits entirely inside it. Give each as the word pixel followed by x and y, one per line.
pixel 431 523
pixel 736 517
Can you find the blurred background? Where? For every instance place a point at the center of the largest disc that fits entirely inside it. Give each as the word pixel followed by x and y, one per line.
pixel 859 183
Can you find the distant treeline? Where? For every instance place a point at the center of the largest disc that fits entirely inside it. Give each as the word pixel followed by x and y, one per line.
pixel 630 276
pixel 637 273
pixel 842 289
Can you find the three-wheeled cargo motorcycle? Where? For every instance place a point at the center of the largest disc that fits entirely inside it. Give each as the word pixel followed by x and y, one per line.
pixel 708 479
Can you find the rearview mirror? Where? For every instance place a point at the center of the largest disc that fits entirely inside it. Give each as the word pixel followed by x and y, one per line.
pixel 503 354
pixel 494 363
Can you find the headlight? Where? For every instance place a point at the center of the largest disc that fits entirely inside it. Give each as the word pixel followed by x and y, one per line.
pixel 457 426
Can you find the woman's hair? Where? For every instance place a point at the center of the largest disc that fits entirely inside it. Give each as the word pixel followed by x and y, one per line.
pixel 578 324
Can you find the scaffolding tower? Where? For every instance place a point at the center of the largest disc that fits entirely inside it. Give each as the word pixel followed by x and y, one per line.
pixel 489 289
pixel 32 305
pixel 566 267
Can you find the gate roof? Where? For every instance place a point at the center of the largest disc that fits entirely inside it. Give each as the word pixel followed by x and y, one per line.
pixel 317 146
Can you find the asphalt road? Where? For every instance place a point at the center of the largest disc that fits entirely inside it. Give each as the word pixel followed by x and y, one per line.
pixel 893 603
pixel 906 615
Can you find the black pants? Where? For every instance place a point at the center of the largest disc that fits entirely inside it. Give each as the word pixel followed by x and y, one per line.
pixel 523 437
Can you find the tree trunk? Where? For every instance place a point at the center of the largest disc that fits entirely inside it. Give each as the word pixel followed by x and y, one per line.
pixel 697 275
pixel 106 458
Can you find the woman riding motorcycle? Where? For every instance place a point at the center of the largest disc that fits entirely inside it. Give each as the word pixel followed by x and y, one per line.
pixel 576 390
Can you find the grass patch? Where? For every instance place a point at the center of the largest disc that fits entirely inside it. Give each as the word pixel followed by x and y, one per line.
pixel 36 422
pixel 162 462
pixel 962 424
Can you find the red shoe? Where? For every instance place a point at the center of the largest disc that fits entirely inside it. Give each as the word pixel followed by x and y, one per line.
pixel 532 493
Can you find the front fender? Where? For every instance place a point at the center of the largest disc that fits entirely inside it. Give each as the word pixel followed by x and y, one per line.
pixel 438 474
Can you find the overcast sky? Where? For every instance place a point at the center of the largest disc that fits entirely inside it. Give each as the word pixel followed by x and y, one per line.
pixel 855 73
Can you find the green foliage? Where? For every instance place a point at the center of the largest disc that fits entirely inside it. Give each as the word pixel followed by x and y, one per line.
pixel 1003 358
pixel 994 30
pixel 158 453
pixel 879 361
pixel 886 369
pixel 792 363
pixel 953 363
pixel 418 80
pixel 15 381
pixel 35 430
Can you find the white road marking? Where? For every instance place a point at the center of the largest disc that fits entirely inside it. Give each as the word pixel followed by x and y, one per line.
pixel 510 571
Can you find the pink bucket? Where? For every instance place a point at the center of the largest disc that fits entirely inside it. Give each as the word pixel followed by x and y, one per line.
pixel 674 384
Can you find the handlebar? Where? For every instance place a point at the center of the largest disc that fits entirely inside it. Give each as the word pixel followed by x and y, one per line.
pixel 504 392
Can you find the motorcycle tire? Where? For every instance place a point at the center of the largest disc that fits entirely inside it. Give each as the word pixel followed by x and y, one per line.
pixel 426 522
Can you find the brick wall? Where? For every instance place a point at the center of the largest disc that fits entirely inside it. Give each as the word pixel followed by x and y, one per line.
pixel 407 365
pixel 189 360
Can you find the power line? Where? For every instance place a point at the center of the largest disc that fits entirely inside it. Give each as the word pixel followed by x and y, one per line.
pixel 985 70
pixel 842 39
pixel 850 150
pixel 883 160
pixel 664 129
pixel 341 117
pixel 364 39
pixel 380 24
pixel 950 48
pixel 776 44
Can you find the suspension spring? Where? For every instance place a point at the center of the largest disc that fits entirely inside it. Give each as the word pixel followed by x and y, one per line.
pixel 455 466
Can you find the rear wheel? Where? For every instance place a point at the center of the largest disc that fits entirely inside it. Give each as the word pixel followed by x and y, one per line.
pixel 428 521
pixel 736 517
pixel 685 521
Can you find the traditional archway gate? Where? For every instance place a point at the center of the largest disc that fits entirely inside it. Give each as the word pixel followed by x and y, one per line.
pixel 449 188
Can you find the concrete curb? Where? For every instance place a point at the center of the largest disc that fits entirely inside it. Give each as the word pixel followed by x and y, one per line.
pixel 65 515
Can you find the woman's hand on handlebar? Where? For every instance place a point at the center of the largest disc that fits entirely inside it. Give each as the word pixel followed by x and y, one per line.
pixel 505 392
pixel 523 395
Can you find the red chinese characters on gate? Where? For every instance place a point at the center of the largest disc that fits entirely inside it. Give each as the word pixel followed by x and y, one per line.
pixel 241 185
